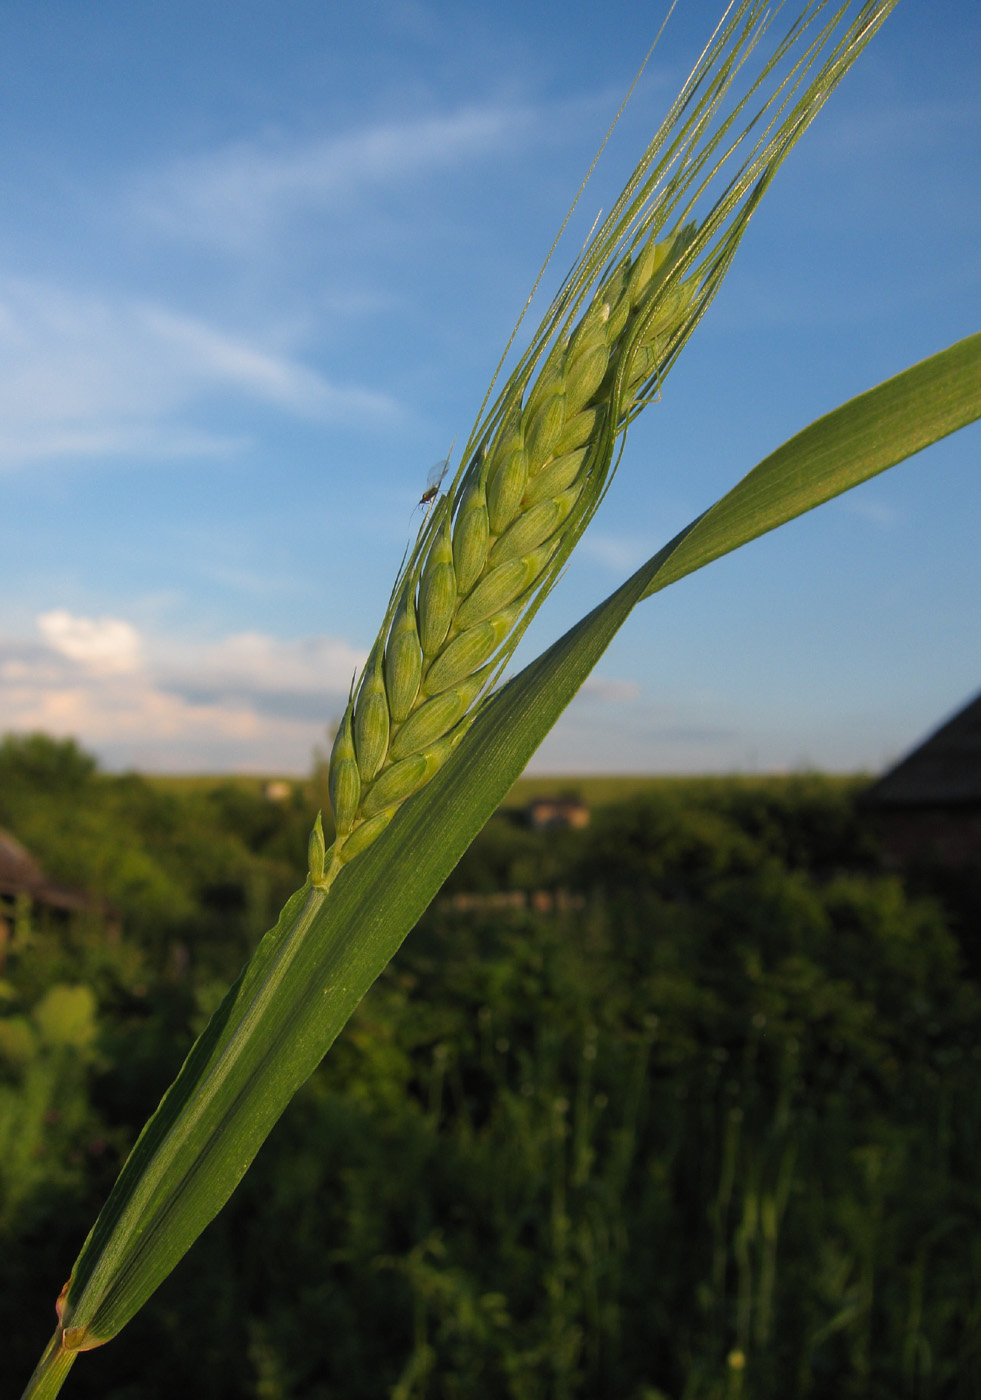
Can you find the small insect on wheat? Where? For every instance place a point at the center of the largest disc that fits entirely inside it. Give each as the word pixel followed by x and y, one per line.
pixel 434 481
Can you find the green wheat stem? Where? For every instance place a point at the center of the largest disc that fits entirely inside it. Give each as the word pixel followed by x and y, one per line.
pixel 51 1371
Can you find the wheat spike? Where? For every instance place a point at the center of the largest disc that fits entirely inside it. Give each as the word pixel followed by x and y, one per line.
pixel 494 542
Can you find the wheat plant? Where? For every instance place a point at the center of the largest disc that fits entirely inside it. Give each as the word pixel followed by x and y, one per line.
pixel 431 741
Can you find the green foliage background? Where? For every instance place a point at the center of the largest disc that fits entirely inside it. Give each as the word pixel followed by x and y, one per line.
pixel 696 1118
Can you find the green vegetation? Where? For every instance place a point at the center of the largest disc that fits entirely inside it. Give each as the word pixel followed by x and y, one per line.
pixel 206 864
pixel 695 1118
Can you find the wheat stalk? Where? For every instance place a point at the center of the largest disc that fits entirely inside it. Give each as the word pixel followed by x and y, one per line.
pixel 494 543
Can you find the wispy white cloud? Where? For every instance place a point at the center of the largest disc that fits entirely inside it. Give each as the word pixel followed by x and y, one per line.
pixel 232 197
pixel 86 376
pixel 105 372
pixel 218 358
pixel 247 700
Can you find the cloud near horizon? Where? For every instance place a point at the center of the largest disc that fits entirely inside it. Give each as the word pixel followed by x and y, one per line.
pixel 247 701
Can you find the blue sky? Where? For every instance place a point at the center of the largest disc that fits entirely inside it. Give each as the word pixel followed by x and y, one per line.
pixel 257 264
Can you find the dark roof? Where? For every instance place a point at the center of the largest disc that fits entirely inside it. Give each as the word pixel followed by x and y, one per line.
pixel 18 868
pixel 21 874
pixel 945 770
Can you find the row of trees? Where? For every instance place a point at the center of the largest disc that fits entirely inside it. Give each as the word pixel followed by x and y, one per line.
pixel 707 1129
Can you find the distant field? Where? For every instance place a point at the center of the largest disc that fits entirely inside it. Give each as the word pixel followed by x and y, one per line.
pixel 602 791
pixel 206 782
pixel 594 791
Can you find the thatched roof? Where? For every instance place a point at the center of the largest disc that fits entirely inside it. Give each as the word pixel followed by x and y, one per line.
pixel 944 771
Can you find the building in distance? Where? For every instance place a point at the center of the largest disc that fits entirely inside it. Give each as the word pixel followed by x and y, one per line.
pixel 927 808
pixel 557 813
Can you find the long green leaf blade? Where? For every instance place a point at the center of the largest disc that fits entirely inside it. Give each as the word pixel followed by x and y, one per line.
pixel 310 972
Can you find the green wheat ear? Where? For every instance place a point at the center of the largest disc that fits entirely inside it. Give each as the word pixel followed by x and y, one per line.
pixel 496 542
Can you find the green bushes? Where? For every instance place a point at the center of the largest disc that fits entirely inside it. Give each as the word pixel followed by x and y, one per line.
pixel 196 872
pixel 711 1131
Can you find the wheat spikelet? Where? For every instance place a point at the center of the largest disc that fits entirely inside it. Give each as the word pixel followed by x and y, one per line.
pixel 494 542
